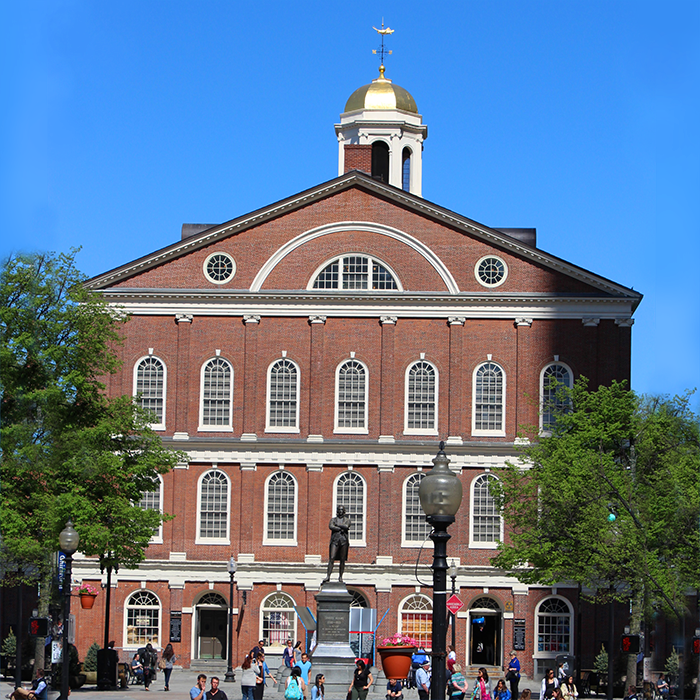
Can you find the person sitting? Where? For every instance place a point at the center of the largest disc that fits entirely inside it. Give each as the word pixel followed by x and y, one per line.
pixel 501 692
pixel 631 693
pixel 662 686
pixel 137 669
pixel 568 689
pixel 39 691
pixel 394 689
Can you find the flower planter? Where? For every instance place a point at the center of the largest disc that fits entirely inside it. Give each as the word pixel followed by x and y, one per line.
pixel 87 600
pixel 396 660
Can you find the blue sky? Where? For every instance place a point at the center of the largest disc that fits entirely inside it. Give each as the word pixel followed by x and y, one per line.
pixel 125 119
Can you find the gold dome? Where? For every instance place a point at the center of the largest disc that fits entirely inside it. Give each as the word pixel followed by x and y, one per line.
pixel 381 94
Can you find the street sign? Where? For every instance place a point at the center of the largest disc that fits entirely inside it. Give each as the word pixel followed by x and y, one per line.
pixel 454 604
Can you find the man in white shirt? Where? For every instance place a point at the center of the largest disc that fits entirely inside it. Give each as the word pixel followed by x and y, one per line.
pixel 423 680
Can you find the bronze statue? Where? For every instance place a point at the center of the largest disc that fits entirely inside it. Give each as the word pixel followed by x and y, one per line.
pixel 338 549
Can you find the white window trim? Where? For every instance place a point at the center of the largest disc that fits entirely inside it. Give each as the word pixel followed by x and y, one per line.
pixel 417 431
pixel 215 428
pixel 320 268
pixel 472 543
pixel 214 540
pixel 125 618
pixel 428 544
pixel 337 428
pixel 281 429
pixel 400 610
pixel 504 394
pixel 363 541
pixel 206 262
pixel 269 649
pixel 543 431
pixel 281 543
pixel 478 278
pixel 572 635
pixel 157 538
pixel 161 425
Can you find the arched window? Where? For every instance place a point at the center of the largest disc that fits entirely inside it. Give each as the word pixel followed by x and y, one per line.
pixel 149 387
pixel 486 529
pixel 406 170
pixel 554 628
pixel 350 493
pixel 415 527
pixel 217 395
pixel 214 497
pixel 153 500
pixel 489 400
pixel 142 619
pixel 420 410
pixel 283 397
pixel 277 620
pixel 351 398
pixel 416 619
pixel 555 381
pixel 380 161
pixel 280 499
pixel 358 599
pixel 355 271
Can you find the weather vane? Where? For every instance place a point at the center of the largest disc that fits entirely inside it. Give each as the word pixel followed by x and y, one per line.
pixel 382 50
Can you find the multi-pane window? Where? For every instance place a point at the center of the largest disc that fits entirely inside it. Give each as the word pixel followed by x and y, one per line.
pixel 406 170
pixel 351 402
pixel 217 386
pixel 213 506
pixel 149 386
pixel 280 523
pixel 421 395
pixel 486 518
pixel 283 389
pixel 556 381
pixel 142 619
pixel 278 618
pixel 489 383
pixel 415 528
pixel 151 500
pixel 416 620
pixel 355 272
pixel 554 627
pixel 350 493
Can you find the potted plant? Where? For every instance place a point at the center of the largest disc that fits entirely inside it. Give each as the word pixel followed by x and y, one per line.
pixel 87 595
pixel 396 653
pixel 90 664
pixel 8 653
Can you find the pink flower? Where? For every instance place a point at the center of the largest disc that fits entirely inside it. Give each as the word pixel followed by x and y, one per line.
pixel 399 640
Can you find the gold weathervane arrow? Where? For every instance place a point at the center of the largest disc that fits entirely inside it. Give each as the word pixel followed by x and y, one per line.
pixel 382 50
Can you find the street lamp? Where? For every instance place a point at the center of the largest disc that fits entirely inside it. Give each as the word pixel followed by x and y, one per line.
pixel 452 572
pixel 231 567
pixel 440 495
pixel 68 540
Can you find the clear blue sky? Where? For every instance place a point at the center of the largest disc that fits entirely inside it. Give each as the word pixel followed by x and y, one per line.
pixel 122 120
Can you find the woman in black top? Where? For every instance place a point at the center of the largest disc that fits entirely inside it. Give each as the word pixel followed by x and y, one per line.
pixel 361 681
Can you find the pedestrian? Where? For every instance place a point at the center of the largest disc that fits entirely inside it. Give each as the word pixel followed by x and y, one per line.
pixel 198 691
pixel 318 689
pixel 549 685
pixel 296 688
pixel 289 655
pixel 263 673
pixel 259 647
pixel 423 680
pixel 526 694
pixel 568 689
pixel 482 685
pixel 513 675
pixel 148 658
pixel 501 692
pixel 361 681
pixel 394 689
pixel 458 686
pixel 248 678
pixel 305 666
pixel 215 693
pixel 451 658
pixel 167 661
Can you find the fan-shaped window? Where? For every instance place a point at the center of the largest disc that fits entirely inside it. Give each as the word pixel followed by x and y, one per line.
pixel 554 628
pixel 380 161
pixel 416 619
pixel 358 599
pixel 212 600
pixel 350 493
pixel 555 383
pixel 485 604
pixel 283 397
pixel 280 521
pixel 486 518
pixel 142 619
pixel 149 388
pixel 152 500
pixel 406 170
pixel 355 272
pixel 277 620
pixel 351 398
pixel 489 400
pixel 421 399
pixel 415 526
pixel 213 507
pixel 217 395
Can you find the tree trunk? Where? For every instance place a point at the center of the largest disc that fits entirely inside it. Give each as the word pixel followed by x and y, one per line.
pixel 43 611
pixel 635 626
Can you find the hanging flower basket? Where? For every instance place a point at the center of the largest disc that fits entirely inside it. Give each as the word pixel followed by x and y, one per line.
pixel 396 653
pixel 87 595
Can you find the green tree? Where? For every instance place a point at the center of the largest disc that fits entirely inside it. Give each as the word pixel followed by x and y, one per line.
pixel 68 451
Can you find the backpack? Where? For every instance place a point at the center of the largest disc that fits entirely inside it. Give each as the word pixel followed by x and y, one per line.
pixel 293 690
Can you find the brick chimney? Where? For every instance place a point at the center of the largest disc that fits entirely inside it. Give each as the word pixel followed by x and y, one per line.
pixel 358 157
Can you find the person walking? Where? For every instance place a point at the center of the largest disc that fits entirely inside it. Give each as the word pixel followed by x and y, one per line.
pixel 262 674
pixel 296 688
pixel 198 691
pixel 149 659
pixel 549 685
pixel 318 689
pixel 361 681
pixel 289 655
pixel 458 683
pixel 482 685
pixel 248 677
pixel 167 660
pixel 215 693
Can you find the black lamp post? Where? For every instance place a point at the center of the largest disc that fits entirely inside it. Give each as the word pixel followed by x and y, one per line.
pixel 105 682
pixel 440 495
pixel 68 540
pixel 452 571
pixel 231 567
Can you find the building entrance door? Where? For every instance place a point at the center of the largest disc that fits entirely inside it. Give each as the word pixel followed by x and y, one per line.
pixel 212 621
pixel 485 635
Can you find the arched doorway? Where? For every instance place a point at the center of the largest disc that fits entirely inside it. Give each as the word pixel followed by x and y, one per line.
pixel 212 621
pixel 485 633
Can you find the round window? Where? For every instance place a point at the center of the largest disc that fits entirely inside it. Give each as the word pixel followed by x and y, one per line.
pixel 219 268
pixel 491 271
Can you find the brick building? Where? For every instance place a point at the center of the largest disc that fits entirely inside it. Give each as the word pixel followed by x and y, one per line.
pixel 314 352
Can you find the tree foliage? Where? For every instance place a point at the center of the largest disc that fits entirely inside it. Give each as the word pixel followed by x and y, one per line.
pixel 610 499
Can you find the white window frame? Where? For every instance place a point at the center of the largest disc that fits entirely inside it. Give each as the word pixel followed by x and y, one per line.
pixel 420 431
pixel 280 542
pixel 288 428
pixel 337 428
pixel 338 259
pixel 214 540
pixel 353 542
pixel 293 620
pixel 161 425
pixel 473 544
pixel 425 543
pixel 215 428
pixel 543 429
pixel 401 612
pixel 205 265
pixel 540 656
pixel 157 537
pixel 478 277
pixel 125 619
pixel 489 433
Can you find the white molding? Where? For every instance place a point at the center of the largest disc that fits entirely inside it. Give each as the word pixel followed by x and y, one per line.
pixel 206 261
pixel 505 271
